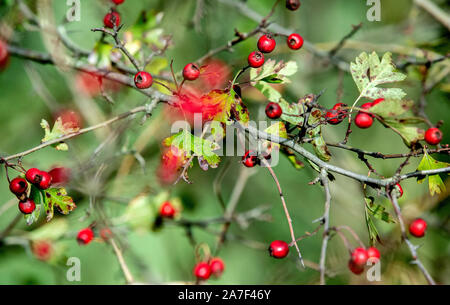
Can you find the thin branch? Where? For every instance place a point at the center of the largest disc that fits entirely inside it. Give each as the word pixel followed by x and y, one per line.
pixel 355 29
pixel 145 108
pixel 326 225
pixel 126 271
pixel 434 11
pixel 411 247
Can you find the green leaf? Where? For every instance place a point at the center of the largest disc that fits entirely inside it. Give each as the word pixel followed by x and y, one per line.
pixel 140 213
pixel 273 72
pixel 391 108
pixel 372 229
pixel 378 211
pixel 189 143
pixel 368 73
pixel 268 91
pixel 36 196
pixel 409 134
pixel 277 129
pixel 292 157
pixel 101 55
pixel 57 132
pixel 57 198
pixel 291 112
pixel 318 142
pixel 50 231
pixel 435 184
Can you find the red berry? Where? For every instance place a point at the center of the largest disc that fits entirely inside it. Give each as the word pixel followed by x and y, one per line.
pixel 292 5
pixel 366 105
pixel 399 189
pixel 217 266
pixel 202 271
pixel 339 106
pixel 18 186
pixel 33 175
pixel 191 71
pixel 363 120
pixel 273 110
pixel 278 249
pixel 42 250
pixel 356 269
pixel 433 136
pixel 266 43
pixel 418 227
pixel 143 80
pixel 105 233
pixel 60 175
pixel 85 236
pixel 373 252
pixel 359 256
pixel 111 19
pixel 27 206
pixel 117 2
pixel 4 55
pixel 46 181
pixel 377 101
pixel 295 41
pixel 167 210
pixel 256 59
pixel 250 159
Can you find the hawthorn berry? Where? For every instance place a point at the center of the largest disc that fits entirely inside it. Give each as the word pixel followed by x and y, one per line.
pixel 273 110
pixel 417 227
pixel 377 101
pixel 60 175
pixel 118 2
pixel 266 43
pixel 27 206
pixel 359 256
pixel 373 252
pixel 143 80
pixel 363 120
pixel 4 55
pixel 295 41
pixel 399 188
pixel 332 116
pixel 217 266
pixel 43 250
pixel 111 19
pixel 256 59
pixel 250 159
pixel 433 136
pixel 18 186
pixel 292 5
pixel 278 249
pixel 46 181
pixel 356 269
pixel 85 236
pixel 33 175
pixel 167 210
pixel 191 71
pixel 202 271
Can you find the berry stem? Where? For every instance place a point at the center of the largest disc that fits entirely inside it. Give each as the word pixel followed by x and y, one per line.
pixel 326 225
pixel 126 271
pixel 393 198
pixel 286 211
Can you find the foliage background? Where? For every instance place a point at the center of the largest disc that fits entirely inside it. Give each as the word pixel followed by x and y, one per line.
pixel 166 255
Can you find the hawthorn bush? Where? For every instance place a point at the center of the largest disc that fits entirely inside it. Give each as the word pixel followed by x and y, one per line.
pixel 345 183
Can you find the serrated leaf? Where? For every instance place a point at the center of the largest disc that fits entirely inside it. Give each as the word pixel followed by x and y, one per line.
pixel 318 142
pixel 58 131
pixel 292 112
pixel 409 134
pixel 379 212
pixel 268 91
pixel 189 143
pixel 57 198
pixel 273 72
pixel 369 72
pixel 371 228
pixel 435 184
pixel 391 108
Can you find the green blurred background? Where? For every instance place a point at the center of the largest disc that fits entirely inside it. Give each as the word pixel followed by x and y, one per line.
pixel 166 255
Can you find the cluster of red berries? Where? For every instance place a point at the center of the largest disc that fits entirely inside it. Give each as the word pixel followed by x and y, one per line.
pixel 204 270
pixel 19 187
pixel 167 210
pixel 278 249
pixel 336 114
pixel 359 258
pixel 266 44
pixel 364 119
